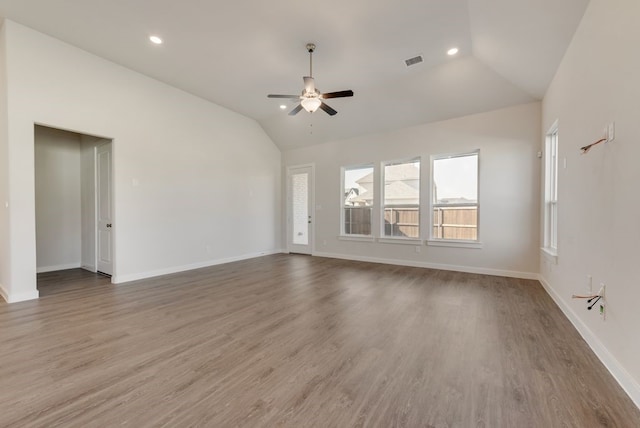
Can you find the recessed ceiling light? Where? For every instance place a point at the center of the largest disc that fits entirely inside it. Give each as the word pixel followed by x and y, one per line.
pixel 452 51
pixel 155 39
pixel 282 106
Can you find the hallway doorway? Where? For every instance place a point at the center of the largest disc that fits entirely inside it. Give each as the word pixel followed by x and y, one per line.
pixel 72 191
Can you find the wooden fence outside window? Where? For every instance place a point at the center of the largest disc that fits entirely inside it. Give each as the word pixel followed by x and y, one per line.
pixel 449 222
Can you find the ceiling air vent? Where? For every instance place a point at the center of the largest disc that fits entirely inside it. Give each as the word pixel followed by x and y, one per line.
pixel 413 61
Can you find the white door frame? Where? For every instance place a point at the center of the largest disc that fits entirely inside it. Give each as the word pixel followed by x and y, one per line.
pixel 95 221
pixel 312 207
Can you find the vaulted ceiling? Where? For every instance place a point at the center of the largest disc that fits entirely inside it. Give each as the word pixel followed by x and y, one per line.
pixel 235 53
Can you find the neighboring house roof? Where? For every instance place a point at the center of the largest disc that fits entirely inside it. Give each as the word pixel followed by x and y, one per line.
pixel 351 192
pixel 401 192
pixel 456 201
pixel 401 185
pixel 405 171
pixel 366 179
pixel 351 196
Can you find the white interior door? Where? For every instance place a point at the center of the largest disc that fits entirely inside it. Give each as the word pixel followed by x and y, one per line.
pixel 299 209
pixel 104 241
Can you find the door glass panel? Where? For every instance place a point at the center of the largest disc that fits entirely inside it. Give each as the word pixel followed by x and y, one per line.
pixel 300 205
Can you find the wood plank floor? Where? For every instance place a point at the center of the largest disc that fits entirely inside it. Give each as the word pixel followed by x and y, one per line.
pixel 297 341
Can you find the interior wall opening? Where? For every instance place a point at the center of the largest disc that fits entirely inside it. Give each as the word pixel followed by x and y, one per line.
pixel 67 201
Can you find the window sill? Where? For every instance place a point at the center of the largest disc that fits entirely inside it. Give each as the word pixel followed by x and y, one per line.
pixel 356 238
pixel 457 244
pixel 405 241
pixel 550 254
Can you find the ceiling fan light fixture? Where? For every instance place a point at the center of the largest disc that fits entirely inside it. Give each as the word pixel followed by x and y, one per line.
pixel 311 98
pixel 311 104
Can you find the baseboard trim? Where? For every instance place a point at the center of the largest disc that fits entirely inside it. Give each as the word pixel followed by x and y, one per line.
pixel 628 384
pixel 457 268
pixel 44 269
pixel 18 297
pixel 121 279
pixel 4 293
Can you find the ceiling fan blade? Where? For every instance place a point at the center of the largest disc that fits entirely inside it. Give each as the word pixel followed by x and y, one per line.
pixel 296 110
pixel 328 110
pixel 309 85
pixel 338 94
pixel 283 96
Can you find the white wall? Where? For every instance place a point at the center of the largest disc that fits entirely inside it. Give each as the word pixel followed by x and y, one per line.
pixel 194 184
pixel 5 265
pixel 58 208
pixel 599 201
pixel 508 140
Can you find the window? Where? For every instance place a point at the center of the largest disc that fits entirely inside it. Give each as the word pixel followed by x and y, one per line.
pixel 551 191
pixel 401 201
pixel 357 200
pixel 455 197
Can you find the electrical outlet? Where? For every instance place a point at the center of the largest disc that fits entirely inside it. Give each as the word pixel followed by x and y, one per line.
pixel 418 249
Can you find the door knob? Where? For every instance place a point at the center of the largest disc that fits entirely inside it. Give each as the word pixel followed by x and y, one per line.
pixel 108 224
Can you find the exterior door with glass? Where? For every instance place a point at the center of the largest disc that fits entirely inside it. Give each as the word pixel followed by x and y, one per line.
pixel 299 209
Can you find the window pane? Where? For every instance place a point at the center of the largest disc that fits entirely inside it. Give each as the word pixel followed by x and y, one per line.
pixel 551 190
pixel 455 180
pixel 357 220
pixel 455 198
pixel 402 199
pixel 358 200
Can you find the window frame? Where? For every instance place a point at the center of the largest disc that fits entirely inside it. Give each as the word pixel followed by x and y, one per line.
pixel 355 236
pixel 550 201
pixel 383 238
pixel 445 242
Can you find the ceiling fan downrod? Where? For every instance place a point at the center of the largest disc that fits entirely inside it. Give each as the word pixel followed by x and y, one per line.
pixel 310 48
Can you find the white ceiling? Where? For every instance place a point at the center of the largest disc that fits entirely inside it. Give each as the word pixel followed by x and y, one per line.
pixel 235 53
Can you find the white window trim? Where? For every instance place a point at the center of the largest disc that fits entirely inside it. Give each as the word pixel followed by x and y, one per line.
pixel 399 240
pixel 357 238
pixel 350 236
pixel 453 242
pixel 550 196
pixel 457 243
pixel 550 254
pixel 393 239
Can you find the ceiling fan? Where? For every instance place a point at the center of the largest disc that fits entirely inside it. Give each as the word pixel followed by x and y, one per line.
pixel 311 98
